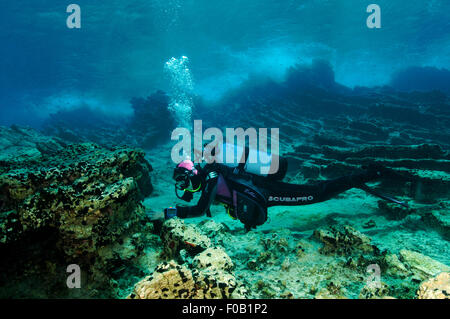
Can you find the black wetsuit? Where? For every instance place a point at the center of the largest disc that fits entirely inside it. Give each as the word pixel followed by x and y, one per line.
pixel 249 195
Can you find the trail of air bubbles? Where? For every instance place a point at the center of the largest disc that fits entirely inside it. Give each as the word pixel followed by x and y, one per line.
pixel 182 86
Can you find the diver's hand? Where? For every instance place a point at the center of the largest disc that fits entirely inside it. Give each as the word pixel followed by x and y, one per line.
pixel 153 215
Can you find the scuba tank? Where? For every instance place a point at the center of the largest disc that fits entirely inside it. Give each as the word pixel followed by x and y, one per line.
pixel 251 161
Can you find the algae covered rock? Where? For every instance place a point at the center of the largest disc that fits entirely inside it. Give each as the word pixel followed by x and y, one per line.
pixel 173 281
pixel 80 200
pixel 422 266
pixel 213 229
pixel 435 288
pixel 343 240
pixel 374 290
pixel 177 235
pixel 169 280
pixel 206 274
pixel 215 258
pixel 331 291
pixel 84 191
pixel 395 267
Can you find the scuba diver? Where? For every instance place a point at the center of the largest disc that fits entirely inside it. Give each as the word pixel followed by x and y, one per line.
pixel 247 195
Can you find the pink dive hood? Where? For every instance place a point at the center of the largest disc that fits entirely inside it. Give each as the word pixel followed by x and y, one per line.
pixel 189 165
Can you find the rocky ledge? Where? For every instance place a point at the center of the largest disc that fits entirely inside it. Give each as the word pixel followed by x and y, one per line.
pixel 64 204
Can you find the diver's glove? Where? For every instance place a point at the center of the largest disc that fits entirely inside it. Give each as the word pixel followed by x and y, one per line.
pixel 170 212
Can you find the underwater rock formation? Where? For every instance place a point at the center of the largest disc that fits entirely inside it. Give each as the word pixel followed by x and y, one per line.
pixel 150 124
pixel 421 79
pixel 177 236
pixel 375 291
pixel 172 281
pixel 75 188
pixel 23 143
pixel 435 288
pixel 439 219
pixel 422 266
pixel 395 267
pixel 343 240
pixel 213 258
pixel 81 200
pixel 279 265
pixel 208 274
pixel 422 171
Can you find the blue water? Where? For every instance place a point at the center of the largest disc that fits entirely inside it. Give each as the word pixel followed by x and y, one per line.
pixel 121 48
